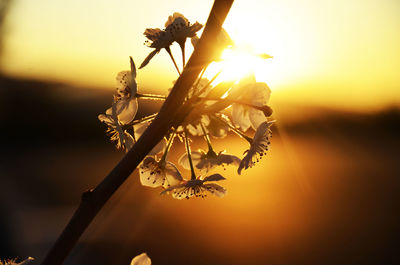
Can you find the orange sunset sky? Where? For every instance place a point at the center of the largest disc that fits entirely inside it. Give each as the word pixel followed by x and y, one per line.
pixel 336 53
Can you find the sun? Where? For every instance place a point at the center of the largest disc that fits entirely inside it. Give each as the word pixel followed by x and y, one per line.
pixel 238 62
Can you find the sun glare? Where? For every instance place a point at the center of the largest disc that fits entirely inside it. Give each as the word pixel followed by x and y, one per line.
pixel 238 62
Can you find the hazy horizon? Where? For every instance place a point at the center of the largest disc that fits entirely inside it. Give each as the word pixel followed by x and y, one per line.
pixel 342 54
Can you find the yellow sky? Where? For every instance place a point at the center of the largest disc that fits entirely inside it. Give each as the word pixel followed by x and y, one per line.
pixel 336 53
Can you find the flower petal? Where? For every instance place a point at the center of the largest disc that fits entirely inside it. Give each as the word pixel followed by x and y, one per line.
pixel 107 119
pixel 173 176
pixel 237 90
pixel 125 80
pixel 148 58
pixel 260 93
pixel 129 141
pixel 240 117
pixel 229 159
pixel 151 175
pixel 180 29
pixel 245 163
pixel 133 67
pixel 259 146
pixel 184 159
pixel 215 189
pixel 141 259
pixel 126 110
pixel 195 41
pixel 178 186
pixel 214 177
pixel 256 118
pixel 174 16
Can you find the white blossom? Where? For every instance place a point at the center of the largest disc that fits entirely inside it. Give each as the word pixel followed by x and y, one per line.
pixel 117 133
pixel 155 173
pixel 258 147
pixel 250 93
pixel 197 188
pixel 126 104
pixel 141 259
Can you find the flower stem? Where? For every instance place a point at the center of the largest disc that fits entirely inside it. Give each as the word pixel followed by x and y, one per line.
pixel 173 60
pixel 183 53
pixel 264 108
pixel 234 129
pixel 193 176
pixel 151 96
pixel 147 118
pixel 206 137
pixel 168 147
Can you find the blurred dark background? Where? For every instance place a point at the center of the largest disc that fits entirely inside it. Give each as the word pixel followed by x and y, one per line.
pixel 327 193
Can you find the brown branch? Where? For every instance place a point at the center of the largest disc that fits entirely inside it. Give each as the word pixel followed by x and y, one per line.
pixel 93 200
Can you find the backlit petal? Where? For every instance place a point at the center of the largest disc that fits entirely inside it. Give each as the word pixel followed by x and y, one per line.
pixel 141 259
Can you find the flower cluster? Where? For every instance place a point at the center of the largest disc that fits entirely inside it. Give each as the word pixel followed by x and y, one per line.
pixel 211 111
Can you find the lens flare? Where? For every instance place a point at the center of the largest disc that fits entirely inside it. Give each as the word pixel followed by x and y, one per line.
pixel 237 63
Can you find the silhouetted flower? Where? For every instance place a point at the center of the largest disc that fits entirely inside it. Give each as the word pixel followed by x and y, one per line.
pixel 155 173
pixel 179 27
pixel 207 160
pixel 157 39
pixel 197 187
pixel 258 147
pixel 141 259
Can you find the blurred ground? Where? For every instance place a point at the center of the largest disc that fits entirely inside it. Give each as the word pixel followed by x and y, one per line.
pixel 327 194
